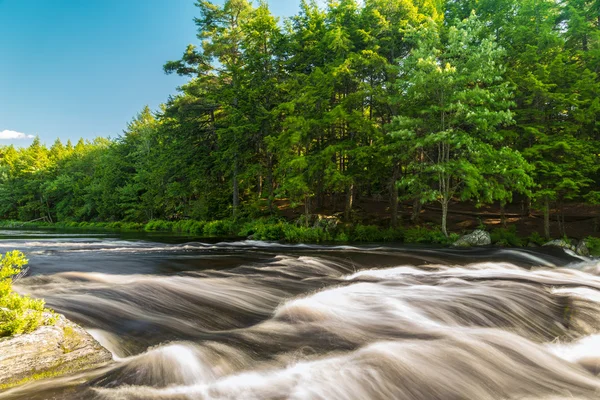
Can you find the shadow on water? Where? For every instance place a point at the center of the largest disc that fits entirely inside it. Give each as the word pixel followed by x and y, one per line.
pixel 253 320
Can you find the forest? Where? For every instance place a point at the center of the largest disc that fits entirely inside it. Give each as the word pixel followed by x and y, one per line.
pixel 414 104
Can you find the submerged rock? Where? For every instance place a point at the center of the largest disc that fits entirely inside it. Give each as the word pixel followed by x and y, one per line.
pixel 51 350
pixel 477 238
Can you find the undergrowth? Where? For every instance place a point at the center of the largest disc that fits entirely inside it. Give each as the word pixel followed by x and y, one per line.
pixel 321 230
pixel 593 244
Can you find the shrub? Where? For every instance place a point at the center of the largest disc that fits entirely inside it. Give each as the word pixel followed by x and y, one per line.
pixel 269 232
pixel 18 314
pixel 593 244
pixel 342 237
pixel 301 234
pixel 132 226
pixel 373 233
pixel 429 236
pixel 189 226
pixel 506 237
pixel 158 225
pixel 536 238
pixel 366 233
pixel 222 227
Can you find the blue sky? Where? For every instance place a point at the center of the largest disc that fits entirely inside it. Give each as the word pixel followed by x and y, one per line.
pixel 73 68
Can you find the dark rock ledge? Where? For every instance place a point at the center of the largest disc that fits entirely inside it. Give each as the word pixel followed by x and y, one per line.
pixel 51 350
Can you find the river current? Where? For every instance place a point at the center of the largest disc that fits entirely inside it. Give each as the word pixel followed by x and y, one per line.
pixel 265 321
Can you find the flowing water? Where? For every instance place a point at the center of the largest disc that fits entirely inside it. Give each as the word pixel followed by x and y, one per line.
pixel 250 320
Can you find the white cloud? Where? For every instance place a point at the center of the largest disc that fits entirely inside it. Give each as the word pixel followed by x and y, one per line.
pixel 6 134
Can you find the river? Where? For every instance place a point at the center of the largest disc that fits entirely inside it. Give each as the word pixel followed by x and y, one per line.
pixel 252 320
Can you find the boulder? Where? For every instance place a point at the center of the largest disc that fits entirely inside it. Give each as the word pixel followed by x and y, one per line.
pixel 477 238
pixel 582 249
pixel 562 243
pixel 579 248
pixel 51 350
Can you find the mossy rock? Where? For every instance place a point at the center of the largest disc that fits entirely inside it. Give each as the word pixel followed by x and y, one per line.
pixel 56 348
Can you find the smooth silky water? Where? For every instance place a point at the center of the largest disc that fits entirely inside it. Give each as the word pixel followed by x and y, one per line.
pixel 251 320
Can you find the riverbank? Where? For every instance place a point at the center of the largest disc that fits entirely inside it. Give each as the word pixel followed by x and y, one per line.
pixel 36 342
pixel 57 347
pixel 319 230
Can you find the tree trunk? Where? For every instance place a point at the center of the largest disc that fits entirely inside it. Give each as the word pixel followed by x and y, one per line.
pixel 561 220
pixel 547 218
pixel 416 211
pixel 445 217
pixel 503 215
pixel 270 183
pixel 394 195
pixel 306 209
pixel 349 201
pixel 394 201
pixel 236 189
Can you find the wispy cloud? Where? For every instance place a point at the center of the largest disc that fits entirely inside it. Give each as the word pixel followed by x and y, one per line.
pixel 12 135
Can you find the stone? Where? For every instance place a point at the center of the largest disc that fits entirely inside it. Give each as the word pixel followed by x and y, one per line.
pixel 477 238
pixel 561 243
pixel 582 249
pixel 51 350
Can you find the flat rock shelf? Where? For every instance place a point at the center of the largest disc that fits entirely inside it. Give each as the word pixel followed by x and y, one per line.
pixel 51 350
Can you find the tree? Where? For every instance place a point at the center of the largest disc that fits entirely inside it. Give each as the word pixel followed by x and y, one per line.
pixel 454 99
pixel 219 65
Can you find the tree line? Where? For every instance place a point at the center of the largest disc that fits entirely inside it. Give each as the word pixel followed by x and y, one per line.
pixel 410 100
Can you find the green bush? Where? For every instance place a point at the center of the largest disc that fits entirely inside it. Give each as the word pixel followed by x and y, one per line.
pixel 269 232
pixel 131 226
pixel 158 225
pixel 301 234
pixel 427 235
pixel 18 314
pixel 223 227
pixel 366 233
pixel 342 237
pixel 506 237
pixel 593 244
pixel 373 233
pixel 536 238
pixel 190 226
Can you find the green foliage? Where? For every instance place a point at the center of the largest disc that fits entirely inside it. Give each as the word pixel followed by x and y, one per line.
pixel 425 235
pixel 268 230
pixel 18 314
pixel 593 244
pixel 158 225
pixel 372 233
pixel 300 234
pixel 537 239
pixel 220 228
pixel 392 99
pixel 506 237
pixel 189 226
pixel 455 97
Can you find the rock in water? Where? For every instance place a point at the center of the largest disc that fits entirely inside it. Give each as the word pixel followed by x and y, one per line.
pixel 477 238
pixel 51 350
pixel 562 243
pixel 582 249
